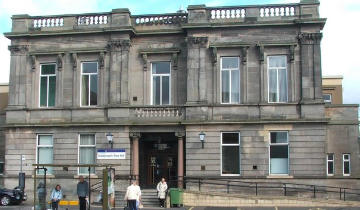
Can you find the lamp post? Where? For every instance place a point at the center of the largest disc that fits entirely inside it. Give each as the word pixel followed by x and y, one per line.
pixel 109 137
pixel 202 138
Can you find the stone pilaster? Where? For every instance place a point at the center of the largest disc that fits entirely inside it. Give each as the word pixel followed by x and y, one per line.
pixel 18 67
pixel 310 66
pixel 196 85
pixel 119 63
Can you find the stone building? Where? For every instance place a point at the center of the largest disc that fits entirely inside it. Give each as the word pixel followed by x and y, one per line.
pixel 248 77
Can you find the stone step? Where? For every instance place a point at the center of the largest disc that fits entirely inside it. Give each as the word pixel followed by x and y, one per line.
pixel 148 197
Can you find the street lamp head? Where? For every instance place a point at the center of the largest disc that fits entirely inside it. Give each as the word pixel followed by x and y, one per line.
pixel 109 137
pixel 202 136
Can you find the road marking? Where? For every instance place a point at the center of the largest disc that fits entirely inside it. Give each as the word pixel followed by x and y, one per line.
pixel 191 208
pixel 276 208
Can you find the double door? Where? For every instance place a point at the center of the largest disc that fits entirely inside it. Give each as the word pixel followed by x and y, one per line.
pixel 160 165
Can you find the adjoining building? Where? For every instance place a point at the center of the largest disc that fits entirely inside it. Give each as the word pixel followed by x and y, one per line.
pixel 221 92
pixel 4 90
pixel 332 89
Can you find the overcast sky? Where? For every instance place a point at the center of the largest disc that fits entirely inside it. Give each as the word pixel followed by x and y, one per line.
pixel 340 44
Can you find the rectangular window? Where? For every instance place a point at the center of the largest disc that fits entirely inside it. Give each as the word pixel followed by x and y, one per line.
pixel 346 165
pixel 47 85
pixel 279 153
pixel 327 98
pixel 87 152
pixel 45 151
pixel 277 79
pixel 330 164
pixel 230 80
pixel 160 77
pixel 230 153
pixel 89 83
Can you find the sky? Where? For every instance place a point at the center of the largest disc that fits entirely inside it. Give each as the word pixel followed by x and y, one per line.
pixel 340 44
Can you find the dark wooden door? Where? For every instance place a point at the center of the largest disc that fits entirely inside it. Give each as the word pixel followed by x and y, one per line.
pixel 160 165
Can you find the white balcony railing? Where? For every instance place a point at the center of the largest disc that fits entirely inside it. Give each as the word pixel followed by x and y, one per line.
pixel 158 112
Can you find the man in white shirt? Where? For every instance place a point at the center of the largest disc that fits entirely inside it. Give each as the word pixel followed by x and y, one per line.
pixel 133 193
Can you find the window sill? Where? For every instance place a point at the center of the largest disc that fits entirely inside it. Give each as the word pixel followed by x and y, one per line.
pixel 51 176
pixel 231 174
pixel 92 176
pixel 280 177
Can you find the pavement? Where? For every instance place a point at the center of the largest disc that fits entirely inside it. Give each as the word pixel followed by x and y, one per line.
pixel 273 208
pixel 23 207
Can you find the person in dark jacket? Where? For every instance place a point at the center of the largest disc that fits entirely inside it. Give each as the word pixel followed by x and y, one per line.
pixel 41 195
pixel 82 192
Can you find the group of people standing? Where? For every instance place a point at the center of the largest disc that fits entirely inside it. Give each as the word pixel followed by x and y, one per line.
pixel 82 190
pixel 132 196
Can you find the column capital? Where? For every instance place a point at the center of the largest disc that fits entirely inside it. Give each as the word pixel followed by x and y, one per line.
pixel 134 134
pixel 118 45
pixel 180 134
pixel 18 49
pixel 201 41
pixel 310 38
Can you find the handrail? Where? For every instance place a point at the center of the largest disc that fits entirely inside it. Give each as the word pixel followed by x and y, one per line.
pixel 284 186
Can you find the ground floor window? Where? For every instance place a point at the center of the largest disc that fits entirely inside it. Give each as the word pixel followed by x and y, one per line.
pixel 330 164
pixel 279 153
pixel 346 164
pixel 44 147
pixel 87 152
pixel 230 153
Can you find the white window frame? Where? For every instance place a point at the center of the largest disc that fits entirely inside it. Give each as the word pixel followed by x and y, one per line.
pixel 328 101
pixel 152 87
pixel 92 146
pixel 347 160
pixel 46 146
pixel 47 87
pixel 230 70
pixel 97 73
pixel 221 146
pixel 327 164
pixel 270 144
pixel 277 79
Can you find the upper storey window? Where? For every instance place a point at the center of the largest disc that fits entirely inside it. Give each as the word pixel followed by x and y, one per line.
pixel 277 75
pixel 160 79
pixel 89 83
pixel 230 80
pixel 47 85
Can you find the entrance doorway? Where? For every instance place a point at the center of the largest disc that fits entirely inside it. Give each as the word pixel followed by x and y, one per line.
pixel 157 158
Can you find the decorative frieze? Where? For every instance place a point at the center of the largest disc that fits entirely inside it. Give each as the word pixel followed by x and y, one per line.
pixel 18 49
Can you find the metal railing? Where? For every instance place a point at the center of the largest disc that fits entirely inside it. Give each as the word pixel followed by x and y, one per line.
pixel 269 188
